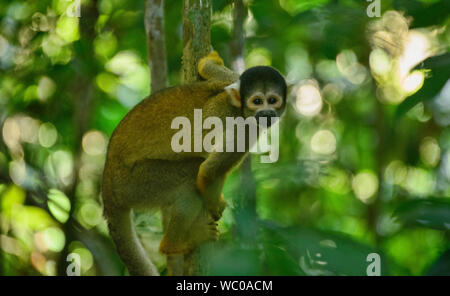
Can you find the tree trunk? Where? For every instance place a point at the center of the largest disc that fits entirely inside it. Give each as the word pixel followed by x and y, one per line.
pixel 245 211
pixel 238 41
pixel 156 44
pixel 196 36
pixel 196 44
pixel 157 62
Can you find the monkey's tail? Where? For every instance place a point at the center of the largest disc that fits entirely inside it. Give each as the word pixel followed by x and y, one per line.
pixel 127 242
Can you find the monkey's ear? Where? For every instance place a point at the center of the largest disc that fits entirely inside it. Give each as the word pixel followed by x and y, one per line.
pixel 233 93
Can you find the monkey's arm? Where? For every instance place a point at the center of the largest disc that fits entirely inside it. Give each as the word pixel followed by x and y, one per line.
pixel 212 67
pixel 211 178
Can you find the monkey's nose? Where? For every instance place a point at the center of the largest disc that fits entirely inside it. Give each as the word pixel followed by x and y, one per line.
pixel 270 115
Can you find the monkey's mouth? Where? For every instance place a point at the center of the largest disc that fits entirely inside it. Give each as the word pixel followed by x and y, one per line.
pixel 266 118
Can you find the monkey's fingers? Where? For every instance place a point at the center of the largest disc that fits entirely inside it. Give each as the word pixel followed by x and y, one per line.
pixel 214 233
pixel 216 215
pixel 213 223
pixel 215 236
pixel 169 247
pixel 217 211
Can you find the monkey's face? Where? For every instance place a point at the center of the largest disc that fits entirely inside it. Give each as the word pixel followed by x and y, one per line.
pixel 261 93
pixel 266 105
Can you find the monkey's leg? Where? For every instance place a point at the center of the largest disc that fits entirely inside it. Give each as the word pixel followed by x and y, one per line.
pixel 211 178
pixel 187 226
pixel 128 244
pixel 175 262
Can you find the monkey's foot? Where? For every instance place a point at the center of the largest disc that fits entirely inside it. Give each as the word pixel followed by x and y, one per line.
pixel 204 231
pixel 212 231
pixel 178 247
pixel 199 233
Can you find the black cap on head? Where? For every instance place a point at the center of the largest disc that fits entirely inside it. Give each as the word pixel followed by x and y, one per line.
pixel 261 77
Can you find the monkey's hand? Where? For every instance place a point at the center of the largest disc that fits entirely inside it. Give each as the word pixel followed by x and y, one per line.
pixel 211 178
pixel 211 190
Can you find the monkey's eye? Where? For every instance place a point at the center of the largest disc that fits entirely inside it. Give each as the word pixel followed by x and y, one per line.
pixel 257 101
pixel 272 100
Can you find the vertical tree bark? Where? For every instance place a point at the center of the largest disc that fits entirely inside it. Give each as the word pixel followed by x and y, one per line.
pixel 157 62
pixel 156 44
pixel 196 36
pixel 196 44
pixel 245 212
pixel 238 41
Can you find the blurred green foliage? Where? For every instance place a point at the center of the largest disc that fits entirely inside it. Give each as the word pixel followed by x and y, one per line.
pixel 364 161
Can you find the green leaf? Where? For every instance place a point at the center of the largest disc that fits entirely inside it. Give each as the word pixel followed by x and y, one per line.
pixel 439 67
pixel 219 5
pixel 441 266
pixel 294 6
pixel 279 261
pixel 324 253
pixel 234 260
pixel 432 213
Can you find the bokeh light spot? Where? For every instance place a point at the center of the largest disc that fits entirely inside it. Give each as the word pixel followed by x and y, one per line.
pixel 54 239
pixel 59 205
pixel 323 142
pixel 47 135
pixel 430 152
pixel 94 143
pixel 309 100
pixel 365 185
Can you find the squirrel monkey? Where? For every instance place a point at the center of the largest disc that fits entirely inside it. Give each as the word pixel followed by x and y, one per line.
pixel 143 172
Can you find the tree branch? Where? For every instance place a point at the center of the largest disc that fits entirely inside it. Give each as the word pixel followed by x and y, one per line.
pixel 238 41
pixel 196 44
pixel 245 212
pixel 196 36
pixel 156 44
pixel 157 62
